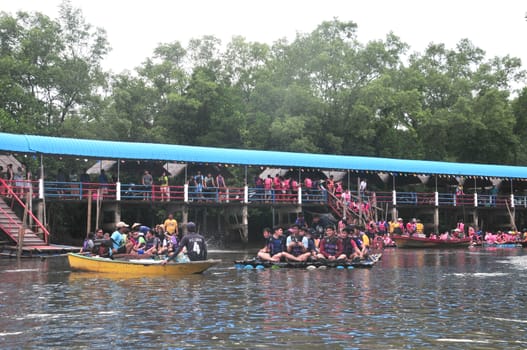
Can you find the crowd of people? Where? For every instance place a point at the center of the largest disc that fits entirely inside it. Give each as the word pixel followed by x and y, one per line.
pixel 19 179
pixel 321 241
pixel 163 242
pixel 325 241
pixel 415 228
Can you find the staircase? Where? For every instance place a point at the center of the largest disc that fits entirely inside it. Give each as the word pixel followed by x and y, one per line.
pixel 10 225
pixel 340 212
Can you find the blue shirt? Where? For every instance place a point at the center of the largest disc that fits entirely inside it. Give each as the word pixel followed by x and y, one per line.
pixel 117 238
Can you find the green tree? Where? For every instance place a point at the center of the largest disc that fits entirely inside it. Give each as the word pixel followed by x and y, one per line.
pixel 50 69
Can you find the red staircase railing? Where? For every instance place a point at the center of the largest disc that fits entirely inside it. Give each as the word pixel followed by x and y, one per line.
pixel 6 189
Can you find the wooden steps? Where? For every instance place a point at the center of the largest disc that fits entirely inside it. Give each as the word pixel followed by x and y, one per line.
pixel 10 224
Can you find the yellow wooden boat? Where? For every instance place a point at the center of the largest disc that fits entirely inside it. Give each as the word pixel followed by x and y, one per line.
pixel 137 267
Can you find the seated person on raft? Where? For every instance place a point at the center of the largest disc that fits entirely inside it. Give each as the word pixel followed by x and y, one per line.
pixel 267 236
pixel 275 249
pixel 350 249
pixel 330 246
pixel 297 244
pixel 362 241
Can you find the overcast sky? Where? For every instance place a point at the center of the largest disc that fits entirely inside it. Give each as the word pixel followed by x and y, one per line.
pixel 135 27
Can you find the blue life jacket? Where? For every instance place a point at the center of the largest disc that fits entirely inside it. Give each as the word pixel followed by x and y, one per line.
pixel 276 245
pixel 358 241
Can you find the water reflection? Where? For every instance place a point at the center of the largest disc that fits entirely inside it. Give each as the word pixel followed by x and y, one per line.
pixel 411 299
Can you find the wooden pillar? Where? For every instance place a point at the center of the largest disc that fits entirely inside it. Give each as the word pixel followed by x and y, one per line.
pixel 245 224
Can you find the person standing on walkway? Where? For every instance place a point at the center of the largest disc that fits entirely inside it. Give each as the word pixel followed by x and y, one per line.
pixel 164 188
pixel 147 182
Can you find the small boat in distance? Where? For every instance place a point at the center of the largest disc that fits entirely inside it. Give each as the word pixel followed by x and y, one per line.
pixel 421 242
pixel 137 267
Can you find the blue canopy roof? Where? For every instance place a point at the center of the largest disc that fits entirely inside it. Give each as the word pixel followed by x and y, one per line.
pixel 151 151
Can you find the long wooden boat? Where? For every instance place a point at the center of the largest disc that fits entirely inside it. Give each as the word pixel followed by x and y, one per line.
pixel 137 267
pixel 257 263
pixel 419 242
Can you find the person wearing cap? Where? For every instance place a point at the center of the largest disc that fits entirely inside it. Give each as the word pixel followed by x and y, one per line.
pixel 194 243
pixel 141 228
pixel 398 227
pixel 118 238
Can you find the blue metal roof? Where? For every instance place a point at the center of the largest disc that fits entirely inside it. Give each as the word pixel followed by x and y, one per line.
pixel 151 151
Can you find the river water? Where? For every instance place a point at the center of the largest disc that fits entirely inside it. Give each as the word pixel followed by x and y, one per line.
pixel 412 299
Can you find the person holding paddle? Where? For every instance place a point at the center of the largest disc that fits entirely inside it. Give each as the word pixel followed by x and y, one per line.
pixel 194 243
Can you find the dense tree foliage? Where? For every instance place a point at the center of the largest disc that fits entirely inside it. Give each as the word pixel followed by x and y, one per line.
pixel 324 92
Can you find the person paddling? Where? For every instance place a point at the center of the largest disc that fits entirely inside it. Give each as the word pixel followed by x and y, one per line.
pixel 194 243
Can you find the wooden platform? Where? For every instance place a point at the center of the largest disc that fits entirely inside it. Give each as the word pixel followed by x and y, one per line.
pixel 37 251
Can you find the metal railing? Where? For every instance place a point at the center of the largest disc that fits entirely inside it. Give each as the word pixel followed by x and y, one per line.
pixel 112 191
pixel 22 188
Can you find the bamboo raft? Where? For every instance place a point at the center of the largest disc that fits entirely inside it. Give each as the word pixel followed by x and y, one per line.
pixel 257 263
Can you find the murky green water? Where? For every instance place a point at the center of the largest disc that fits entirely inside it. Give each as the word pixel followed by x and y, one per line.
pixel 412 299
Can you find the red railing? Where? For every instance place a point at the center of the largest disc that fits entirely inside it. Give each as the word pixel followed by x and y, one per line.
pixel 12 223
pixel 6 189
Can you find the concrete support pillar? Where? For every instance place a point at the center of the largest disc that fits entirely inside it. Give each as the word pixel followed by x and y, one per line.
pixel 40 188
pixel 117 210
pixel 436 219
pixel 204 220
pixel 245 224
pixel 184 217
pixel 394 213
pixel 40 212
pixel 246 194
pixel 118 191
pixel 476 219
